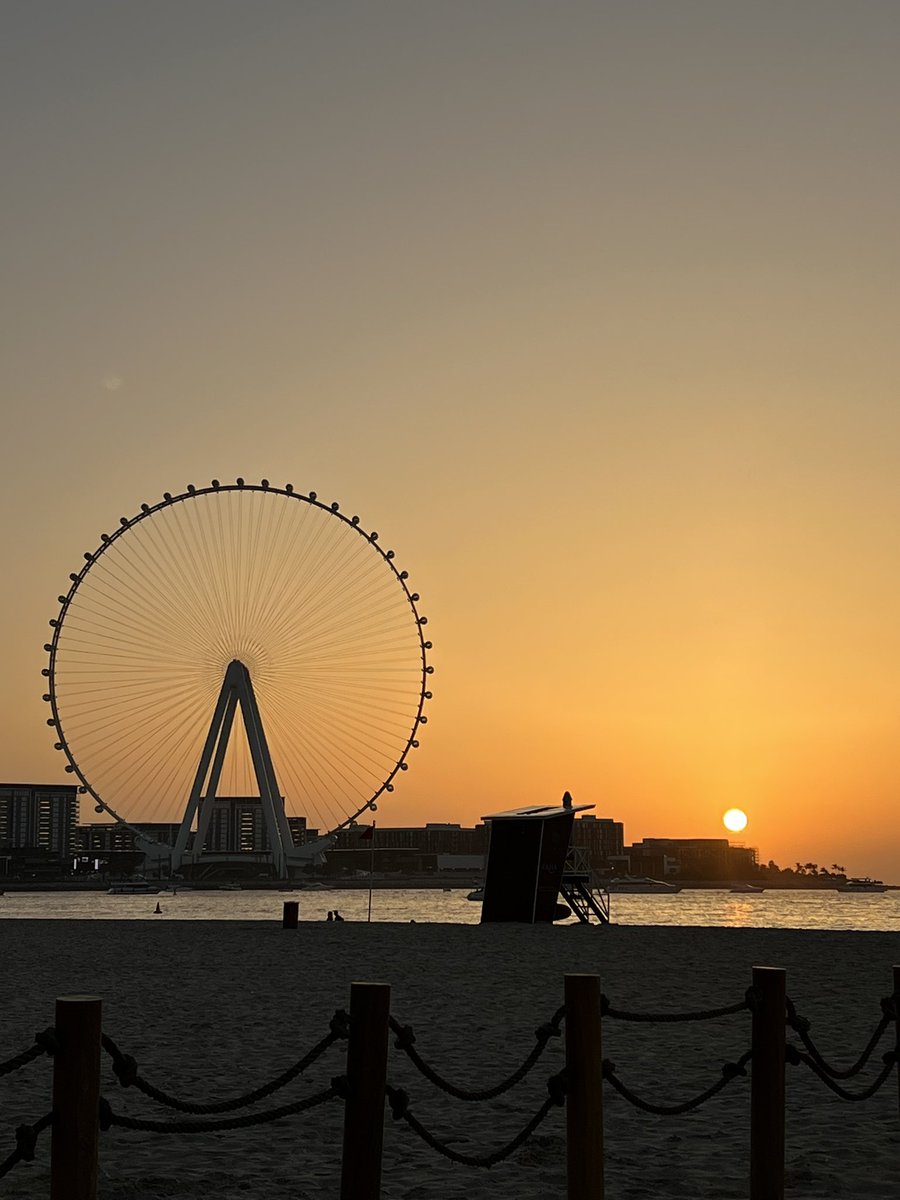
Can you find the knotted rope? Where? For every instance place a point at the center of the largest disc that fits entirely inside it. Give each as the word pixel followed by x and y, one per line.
pixel 406 1042
pixel 125 1069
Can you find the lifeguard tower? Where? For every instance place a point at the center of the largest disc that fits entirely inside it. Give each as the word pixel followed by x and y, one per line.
pixel 529 867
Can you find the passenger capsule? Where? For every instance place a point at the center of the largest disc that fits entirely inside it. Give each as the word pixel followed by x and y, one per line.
pixel 216 484
pixel 289 487
pixel 264 483
pixel 373 536
pixel 167 496
pixel 145 508
pixel 191 489
pixel 45 671
pixel 429 670
pixel 334 506
pixel 70 770
pixel 123 520
pixel 354 520
pixel 312 495
pixel 414 597
pixel 404 766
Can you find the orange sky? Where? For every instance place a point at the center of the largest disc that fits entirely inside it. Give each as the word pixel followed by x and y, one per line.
pixel 590 309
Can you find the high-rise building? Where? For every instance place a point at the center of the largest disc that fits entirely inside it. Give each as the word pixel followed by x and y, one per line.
pixel 39 816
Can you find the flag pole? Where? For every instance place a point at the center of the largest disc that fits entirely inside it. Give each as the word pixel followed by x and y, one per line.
pixel 371 869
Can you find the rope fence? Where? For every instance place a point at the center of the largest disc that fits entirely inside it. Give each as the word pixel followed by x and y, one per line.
pixel 80 1114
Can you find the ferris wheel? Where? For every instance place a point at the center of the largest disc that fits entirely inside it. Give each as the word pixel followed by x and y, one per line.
pixel 231 601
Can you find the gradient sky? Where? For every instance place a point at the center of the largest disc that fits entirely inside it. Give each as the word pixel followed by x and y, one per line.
pixel 591 309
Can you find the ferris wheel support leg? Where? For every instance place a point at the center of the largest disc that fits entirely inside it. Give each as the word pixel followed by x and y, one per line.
pixel 277 825
pixel 180 847
pixel 208 799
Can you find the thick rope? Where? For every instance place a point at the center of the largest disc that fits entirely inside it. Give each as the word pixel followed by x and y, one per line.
pixel 729 1072
pixel 406 1039
pixel 109 1118
pixel 44 1043
pixel 801 1026
pixel 708 1014
pixel 796 1057
pixel 26 1141
pixel 126 1071
pixel 399 1102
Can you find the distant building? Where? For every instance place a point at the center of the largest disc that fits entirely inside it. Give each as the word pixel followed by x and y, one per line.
pixel 430 839
pixel 39 816
pixel 693 858
pixel 601 837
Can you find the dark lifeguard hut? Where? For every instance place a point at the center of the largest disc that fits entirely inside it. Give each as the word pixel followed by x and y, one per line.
pixel 526 862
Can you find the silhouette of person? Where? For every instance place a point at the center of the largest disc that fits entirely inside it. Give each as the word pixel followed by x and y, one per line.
pixel 330 916
pixel 337 916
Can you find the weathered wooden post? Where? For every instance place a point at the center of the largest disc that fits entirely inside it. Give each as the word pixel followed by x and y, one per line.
pixel 767 1085
pixel 76 1099
pixel 584 1088
pixel 290 914
pixel 367 1051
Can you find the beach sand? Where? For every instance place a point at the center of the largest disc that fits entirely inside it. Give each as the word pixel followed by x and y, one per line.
pixel 210 1010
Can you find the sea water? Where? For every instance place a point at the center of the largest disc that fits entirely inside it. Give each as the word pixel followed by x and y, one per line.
pixel 825 909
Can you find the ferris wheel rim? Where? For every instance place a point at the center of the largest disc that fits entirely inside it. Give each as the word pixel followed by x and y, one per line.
pixel 170 500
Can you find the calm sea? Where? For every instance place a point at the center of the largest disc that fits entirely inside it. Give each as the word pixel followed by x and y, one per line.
pixel 773 909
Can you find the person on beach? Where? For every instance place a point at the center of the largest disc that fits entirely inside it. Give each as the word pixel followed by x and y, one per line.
pixel 330 916
pixel 337 916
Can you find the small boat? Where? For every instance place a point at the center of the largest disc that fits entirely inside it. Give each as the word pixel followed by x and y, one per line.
pixel 863 884
pixel 747 889
pixel 635 884
pixel 134 887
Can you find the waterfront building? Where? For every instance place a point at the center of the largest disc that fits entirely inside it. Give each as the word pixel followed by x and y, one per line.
pixel 39 816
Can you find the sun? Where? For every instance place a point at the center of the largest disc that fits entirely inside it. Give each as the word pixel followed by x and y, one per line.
pixel 735 820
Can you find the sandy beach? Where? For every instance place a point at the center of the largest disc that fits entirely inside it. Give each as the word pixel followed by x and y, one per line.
pixel 211 1009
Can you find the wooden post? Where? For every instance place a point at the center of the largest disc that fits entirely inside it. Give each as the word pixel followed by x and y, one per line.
pixel 76 1099
pixel 584 1088
pixel 367 1051
pixel 897 1040
pixel 767 1085
pixel 290 914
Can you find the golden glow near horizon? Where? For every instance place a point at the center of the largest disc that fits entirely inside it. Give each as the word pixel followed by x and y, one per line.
pixel 734 820
pixel 589 309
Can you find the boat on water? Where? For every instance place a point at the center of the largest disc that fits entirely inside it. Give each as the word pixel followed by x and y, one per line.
pixel 747 889
pixel 863 884
pixel 635 884
pixel 134 887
